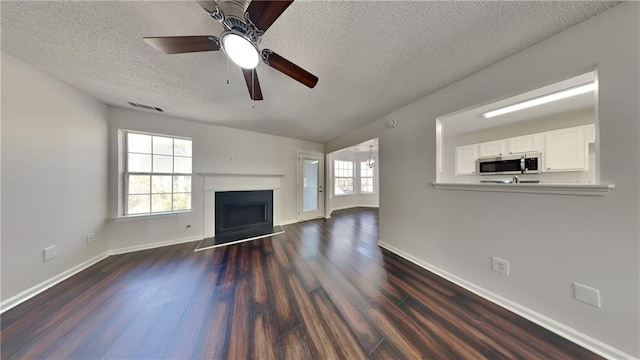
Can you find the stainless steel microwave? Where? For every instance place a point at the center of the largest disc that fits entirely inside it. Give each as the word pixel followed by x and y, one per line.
pixel 525 163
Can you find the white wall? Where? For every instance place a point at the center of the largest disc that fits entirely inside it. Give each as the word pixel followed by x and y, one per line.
pixel 54 176
pixel 550 240
pixel 215 150
pixel 337 202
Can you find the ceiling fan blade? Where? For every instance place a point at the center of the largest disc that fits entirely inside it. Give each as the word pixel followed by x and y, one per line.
pixel 251 78
pixel 208 6
pixel 184 44
pixel 263 13
pixel 288 68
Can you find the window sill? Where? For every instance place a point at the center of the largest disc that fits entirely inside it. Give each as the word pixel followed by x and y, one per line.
pixel 554 189
pixel 339 195
pixel 127 218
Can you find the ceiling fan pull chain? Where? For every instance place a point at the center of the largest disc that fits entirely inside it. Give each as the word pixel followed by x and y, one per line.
pixel 227 70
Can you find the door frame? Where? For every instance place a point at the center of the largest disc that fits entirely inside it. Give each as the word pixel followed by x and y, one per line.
pixel 321 184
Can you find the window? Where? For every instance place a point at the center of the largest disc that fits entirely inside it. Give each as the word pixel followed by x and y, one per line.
pixel 343 177
pixel 157 174
pixel 366 177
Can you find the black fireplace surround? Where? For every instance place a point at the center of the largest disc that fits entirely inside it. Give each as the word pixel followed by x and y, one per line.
pixel 243 211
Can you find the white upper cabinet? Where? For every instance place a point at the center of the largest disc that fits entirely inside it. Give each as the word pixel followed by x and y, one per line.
pixel 466 159
pixel 521 144
pixel 492 148
pixel 565 150
pixel 590 133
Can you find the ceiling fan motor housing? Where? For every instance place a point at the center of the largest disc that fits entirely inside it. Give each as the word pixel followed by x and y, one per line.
pixel 236 18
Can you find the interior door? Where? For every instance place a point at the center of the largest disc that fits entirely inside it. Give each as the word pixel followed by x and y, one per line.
pixel 310 186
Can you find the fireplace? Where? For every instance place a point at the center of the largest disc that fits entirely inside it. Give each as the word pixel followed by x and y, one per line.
pixel 243 211
pixel 240 207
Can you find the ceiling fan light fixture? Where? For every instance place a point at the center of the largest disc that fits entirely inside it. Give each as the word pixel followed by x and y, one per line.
pixel 240 49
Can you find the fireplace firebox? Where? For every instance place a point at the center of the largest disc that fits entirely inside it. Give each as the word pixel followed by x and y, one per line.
pixel 243 211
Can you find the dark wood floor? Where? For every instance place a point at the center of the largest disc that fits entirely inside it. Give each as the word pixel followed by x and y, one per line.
pixel 322 290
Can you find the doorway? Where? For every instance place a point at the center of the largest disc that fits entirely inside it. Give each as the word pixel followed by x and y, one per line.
pixel 353 174
pixel 310 186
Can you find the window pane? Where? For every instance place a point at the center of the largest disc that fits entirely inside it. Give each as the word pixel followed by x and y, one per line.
pixel 162 145
pixel 343 186
pixel 139 184
pixel 181 202
pixel 162 164
pixel 366 184
pixel 138 204
pixel 160 202
pixel 182 183
pixel 139 163
pixel 153 173
pixel 161 184
pixel 365 170
pixel 182 165
pixel 139 143
pixel 182 147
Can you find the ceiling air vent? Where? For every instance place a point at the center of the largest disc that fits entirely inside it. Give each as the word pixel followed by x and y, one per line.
pixel 144 106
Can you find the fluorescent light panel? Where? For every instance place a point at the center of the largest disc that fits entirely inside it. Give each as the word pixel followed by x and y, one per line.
pixel 542 100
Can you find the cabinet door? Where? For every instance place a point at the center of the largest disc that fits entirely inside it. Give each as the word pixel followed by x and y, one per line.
pixel 521 144
pixel 466 159
pixel 590 133
pixel 492 148
pixel 565 150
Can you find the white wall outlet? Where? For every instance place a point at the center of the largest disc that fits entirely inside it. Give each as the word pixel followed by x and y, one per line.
pixel 90 237
pixel 587 294
pixel 500 265
pixel 49 253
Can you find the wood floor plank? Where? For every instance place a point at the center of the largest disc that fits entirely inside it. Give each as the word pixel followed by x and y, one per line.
pixel 216 333
pixel 293 346
pixel 323 289
pixel 284 316
pixel 384 352
pixel 265 337
pixel 281 256
pixel 319 341
pixel 258 271
pixel 403 345
pixel 346 342
pixel 308 280
pixel 240 339
pixel 336 288
pixel 186 342
pixel 456 346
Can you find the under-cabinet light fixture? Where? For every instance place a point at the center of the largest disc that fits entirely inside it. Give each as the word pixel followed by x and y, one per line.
pixel 542 100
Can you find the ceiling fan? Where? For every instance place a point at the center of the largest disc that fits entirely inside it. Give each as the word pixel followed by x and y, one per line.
pixel 244 25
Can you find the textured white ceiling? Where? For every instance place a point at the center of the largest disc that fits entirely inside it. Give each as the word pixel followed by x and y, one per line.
pixel 371 57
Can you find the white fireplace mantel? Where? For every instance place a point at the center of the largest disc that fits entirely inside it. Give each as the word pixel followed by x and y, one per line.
pixel 237 182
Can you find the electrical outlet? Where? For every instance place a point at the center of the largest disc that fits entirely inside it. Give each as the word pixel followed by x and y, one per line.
pixel 90 237
pixel 49 253
pixel 587 294
pixel 500 265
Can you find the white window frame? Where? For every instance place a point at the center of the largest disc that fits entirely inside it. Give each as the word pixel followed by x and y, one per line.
pixel 124 175
pixel 353 177
pixel 372 177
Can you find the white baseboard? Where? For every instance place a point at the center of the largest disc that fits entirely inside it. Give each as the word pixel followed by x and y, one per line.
pixel 554 326
pixel 288 222
pixel 37 289
pixel 355 206
pixel 154 245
